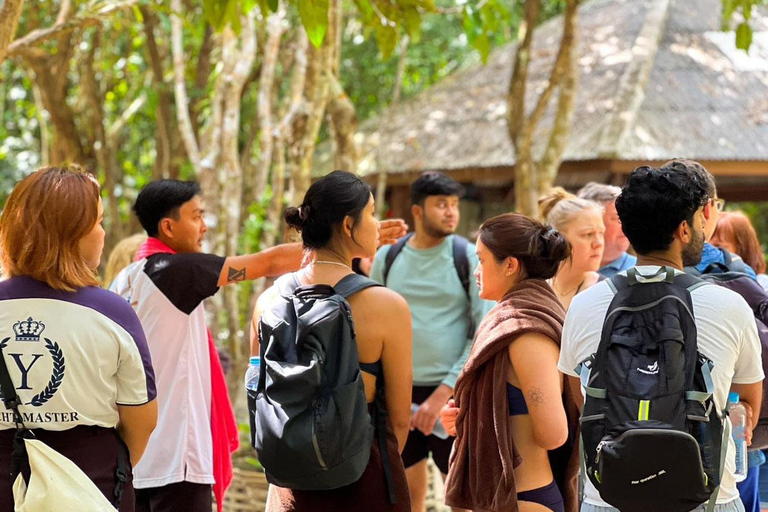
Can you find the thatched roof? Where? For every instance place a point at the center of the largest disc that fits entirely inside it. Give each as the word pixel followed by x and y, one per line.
pixel 657 80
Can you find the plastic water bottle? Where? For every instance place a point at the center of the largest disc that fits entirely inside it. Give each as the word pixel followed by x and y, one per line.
pixel 252 374
pixel 438 430
pixel 738 415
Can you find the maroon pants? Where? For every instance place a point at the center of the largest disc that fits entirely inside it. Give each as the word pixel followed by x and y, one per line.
pixel 92 449
pixel 368 494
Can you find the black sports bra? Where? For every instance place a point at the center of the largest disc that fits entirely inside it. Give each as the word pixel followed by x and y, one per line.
pixel 372 368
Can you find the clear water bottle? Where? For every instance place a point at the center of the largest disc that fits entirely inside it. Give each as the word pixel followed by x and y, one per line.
pixel 252 374
pixel 738 415
pixel 438 430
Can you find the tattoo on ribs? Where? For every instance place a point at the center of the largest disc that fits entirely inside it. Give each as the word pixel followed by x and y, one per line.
pixel 536 396
pixel 235 274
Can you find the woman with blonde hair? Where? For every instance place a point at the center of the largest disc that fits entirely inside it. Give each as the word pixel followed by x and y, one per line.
pixel 581 222
pixel 75 352
pixel 735 234
pixel 122 255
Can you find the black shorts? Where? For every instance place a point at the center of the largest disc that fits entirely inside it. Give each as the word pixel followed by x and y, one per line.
pixel 178 497
pixel 418 447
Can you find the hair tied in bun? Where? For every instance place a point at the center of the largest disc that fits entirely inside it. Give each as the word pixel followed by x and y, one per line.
pixel 304 212
pixel 550 234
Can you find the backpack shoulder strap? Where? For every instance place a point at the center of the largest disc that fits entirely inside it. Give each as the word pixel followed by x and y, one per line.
pixel 664 274
pixel 735 263
pixel 634 277
pixel 689 282
pixel 461 261
pixel 727 257
pixel 392 253
pixel 287 284
pixel 693 271
pixel 353 283
pixel 10 398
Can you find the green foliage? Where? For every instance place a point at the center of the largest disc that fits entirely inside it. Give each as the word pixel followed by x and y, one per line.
pixel 758 214
pixel 484 21
pixel 19 129
pixel 314 17
pixel 223 13
pixel 741 11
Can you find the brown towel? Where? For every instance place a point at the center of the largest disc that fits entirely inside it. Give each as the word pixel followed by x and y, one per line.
pixel 481 476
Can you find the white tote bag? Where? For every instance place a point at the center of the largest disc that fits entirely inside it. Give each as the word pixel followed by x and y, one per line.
pixel 56 484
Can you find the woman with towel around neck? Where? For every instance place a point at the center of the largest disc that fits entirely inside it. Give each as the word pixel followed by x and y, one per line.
pixel 581 222
pixel 508 410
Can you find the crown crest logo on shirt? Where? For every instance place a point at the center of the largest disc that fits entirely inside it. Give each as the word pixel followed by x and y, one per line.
pixel 28 330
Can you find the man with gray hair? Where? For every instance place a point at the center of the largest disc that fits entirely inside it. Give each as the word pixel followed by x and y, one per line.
pixel 615 256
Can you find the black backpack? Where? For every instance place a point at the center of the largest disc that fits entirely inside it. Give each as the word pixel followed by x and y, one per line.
pixel 732 275
pixel 460 260
pixel 309 416
pixel 652 435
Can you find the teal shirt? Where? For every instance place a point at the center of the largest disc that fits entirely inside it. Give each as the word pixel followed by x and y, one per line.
pixel 440 311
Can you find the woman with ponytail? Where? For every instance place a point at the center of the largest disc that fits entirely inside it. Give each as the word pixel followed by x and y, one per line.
pixel 508 413
pixel 337 223
pixel 581 222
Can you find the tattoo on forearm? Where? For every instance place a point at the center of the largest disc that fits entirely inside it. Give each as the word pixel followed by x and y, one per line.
pixel 235 275
pixel 536 397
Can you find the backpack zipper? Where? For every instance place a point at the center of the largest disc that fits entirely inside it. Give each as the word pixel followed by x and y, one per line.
pixel 315 443
pixel 599 448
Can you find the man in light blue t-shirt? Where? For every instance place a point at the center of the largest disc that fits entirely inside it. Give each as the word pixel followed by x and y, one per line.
pixel 444 313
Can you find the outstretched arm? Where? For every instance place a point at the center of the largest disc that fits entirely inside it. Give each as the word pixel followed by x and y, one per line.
pixel 390 230
pixel 274 261
pixel 285 258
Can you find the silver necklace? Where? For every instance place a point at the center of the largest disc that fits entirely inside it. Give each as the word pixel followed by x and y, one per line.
pixel 332 263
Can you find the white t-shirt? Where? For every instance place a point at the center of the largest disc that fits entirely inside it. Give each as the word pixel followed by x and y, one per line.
pixel 727 335
pixel 73 357
pixel 167 292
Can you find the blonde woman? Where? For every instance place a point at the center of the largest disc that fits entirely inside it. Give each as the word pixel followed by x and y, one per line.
pixel 581 222
pixel 122 255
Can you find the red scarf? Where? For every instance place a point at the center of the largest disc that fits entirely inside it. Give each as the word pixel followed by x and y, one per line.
pixel 226 439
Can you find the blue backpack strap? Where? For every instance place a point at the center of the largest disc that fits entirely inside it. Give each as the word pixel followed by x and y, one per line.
pixel 461 261
pixel 727 257
pixel 392 253
pixel 734 264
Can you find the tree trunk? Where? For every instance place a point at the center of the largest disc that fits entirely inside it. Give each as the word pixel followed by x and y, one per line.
pixel 316 87
pixel 561 127
pixel 343 117
pixel 202 73
pixel 104 151
pixel 51 77
pixel 533 176
pixel 275 31
pixel 10 13
pixel 166 143
pixel 237 67
pixel 381 184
